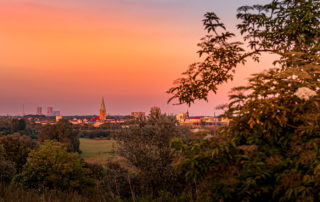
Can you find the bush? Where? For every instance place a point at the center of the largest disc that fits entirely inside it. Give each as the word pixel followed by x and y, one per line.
pixel 146 147
pixel 19 194
pixel 270 150
pixel 7 168
pixel 118 181
pixel 96 133
pixel 61 132
pixel 17 125
pixel 16 149
pixel 52 167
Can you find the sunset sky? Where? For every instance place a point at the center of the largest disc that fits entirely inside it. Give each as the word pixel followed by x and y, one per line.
pixel 68 54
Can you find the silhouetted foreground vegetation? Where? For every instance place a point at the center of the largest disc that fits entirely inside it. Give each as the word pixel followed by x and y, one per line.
pixel 269 152
pixel 143 171
pixel 14 193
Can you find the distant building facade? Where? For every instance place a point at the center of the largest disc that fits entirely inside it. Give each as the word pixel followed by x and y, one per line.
pixel 202 121
pixel 103 112
pixel 56 113
pixel 39 111
pixel 182 117
pixel 50 111
pixel 58 118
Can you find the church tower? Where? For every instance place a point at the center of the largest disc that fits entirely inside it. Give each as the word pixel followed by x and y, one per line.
pixel 103 113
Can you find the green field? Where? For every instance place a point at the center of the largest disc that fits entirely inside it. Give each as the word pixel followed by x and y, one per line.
pixel 96 151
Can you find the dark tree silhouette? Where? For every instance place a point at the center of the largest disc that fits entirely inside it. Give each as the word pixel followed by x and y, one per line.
pixel 62 132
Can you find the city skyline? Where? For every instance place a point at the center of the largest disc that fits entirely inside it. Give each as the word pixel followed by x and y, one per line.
pixel 51 112
pixel 70 53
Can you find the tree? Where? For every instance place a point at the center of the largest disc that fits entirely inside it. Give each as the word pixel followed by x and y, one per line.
pixel 63 133
pixel 52 167
pixel 270 150
pixel 16 149
pixel 7 168
pixel 279 27
pixel 5 127
pixel 17 125
pixel 146 147
pixel 118 181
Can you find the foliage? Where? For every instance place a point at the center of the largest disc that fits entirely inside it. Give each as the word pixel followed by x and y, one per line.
pixel 17 125
pixel 63 133
pixel 118 182
pixel 106 130
pixel 7 168
pixel 20 194
pixel 96 133
pixel 22 126
pixel 4 126
pixel 13 193
pixel 32 129
pixel 270 150
pixel 16 149
pixel 278 27
pixel 145 146
pixel 52 167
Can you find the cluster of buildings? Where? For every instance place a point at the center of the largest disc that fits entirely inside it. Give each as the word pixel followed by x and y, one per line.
pixel 50 112
pixel 195 122
pixel 153 110
pixel 202 121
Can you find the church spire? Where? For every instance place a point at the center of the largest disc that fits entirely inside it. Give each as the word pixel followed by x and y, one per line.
pixel 103 107
pixel 103 113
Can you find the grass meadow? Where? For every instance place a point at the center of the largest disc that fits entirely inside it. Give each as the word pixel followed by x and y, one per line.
pixel 96 151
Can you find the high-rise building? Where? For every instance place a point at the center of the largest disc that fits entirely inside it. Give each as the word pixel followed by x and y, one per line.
pixel 103 112
pixel 50 111
pixel 39 111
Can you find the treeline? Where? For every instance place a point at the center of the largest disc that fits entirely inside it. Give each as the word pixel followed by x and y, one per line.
pixel 21 126
pixel 30 128
pixel 105 131
pixel 144 167
pixel 94 134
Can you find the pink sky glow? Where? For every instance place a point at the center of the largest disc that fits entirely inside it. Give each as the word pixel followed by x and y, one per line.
pixel 69 53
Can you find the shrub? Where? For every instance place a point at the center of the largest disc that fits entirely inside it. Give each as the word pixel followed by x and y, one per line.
pixel 17 125
pixel 62 132
pixel 146 147
pixel 16 149
pixel 118 182
pixel 52 167
pixel 7 168
pixel 96 133
pixel 19 194
pixel 270 150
